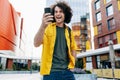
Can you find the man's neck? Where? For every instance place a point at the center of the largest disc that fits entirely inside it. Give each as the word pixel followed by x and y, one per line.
pixel 60 24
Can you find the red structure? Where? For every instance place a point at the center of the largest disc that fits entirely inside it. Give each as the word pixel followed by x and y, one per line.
pixel 8 28
pixel 11 25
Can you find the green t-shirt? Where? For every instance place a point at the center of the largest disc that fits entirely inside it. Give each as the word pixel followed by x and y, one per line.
pixel 60 56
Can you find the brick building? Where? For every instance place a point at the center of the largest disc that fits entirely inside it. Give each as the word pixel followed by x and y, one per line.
pixel 106 17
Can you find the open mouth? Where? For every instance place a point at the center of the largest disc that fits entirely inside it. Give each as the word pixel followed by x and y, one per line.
pixel 58 17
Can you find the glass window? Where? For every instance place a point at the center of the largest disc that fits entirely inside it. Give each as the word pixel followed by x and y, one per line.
pixel 109 10
pixel 98 62
pixel 105 64
pixel 0 59
pixel 97 4
pixel 111 24
pixel 99 28
pixel 114 36
pixel 107 38
pixel 98 16
pixel 117 64
pixel 89 59
pixel 100 40
pixel 107 1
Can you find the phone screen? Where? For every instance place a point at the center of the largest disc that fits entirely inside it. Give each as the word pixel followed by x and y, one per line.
pixel 48 10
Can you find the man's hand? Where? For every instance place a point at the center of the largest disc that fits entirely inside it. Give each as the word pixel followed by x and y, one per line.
pixel 47 19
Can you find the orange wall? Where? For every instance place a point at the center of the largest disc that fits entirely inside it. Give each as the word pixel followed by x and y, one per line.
pixel 8 23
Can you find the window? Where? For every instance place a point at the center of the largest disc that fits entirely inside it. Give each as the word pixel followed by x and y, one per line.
pixel 0 59
pixel 100 42
pixel 111 24
pixel 114 38
pixel 117 64
pixel 107 1
pixel 106 64
pixel 99 28
pixel 98 16
pixel 88 59
pixel 97 4
pixel 98 62
pixel 107 38
pixel 109 10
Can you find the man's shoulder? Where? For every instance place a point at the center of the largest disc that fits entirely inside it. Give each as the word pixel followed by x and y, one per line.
pixel 50 27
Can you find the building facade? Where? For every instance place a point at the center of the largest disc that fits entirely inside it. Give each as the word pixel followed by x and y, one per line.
pixel 76 27
pixel 106 17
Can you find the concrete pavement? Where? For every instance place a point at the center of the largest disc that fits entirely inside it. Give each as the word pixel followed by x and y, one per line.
pixel 33 76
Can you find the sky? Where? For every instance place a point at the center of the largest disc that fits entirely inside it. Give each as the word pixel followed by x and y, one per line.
pixel 31 11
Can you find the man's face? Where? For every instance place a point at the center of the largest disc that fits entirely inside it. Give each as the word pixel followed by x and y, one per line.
pixel 59 15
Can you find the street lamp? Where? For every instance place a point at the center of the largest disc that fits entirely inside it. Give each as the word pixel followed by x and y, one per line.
pixel 112 57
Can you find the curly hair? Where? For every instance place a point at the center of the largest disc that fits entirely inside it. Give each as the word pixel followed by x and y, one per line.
pixel 66 10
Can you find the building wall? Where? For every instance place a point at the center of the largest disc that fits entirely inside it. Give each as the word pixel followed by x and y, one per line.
pixel 104 18
pixel 76 31
pixel 12 35
pixel 9 20
pixel 105 30
pixel 29 64
pixel 9 65
pixel 8 28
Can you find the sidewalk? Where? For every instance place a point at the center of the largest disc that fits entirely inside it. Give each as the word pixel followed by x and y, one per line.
pixel 33 76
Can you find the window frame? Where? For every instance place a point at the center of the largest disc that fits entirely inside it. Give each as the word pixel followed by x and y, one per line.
pixel 111 27
pixel 109 10
pixel 99 26
pixel 97 4
pixel 98 16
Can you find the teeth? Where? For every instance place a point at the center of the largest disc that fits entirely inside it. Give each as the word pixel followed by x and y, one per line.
pixel 58 17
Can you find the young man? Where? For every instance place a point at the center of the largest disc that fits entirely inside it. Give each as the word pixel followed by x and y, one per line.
pixel 58 55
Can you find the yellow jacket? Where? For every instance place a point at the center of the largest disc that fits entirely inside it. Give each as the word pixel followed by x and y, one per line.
pixel 48 48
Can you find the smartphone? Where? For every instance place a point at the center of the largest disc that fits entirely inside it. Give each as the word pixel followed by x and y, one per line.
pixel 48 10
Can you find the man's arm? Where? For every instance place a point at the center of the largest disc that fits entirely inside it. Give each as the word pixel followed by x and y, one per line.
pixel 38 39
